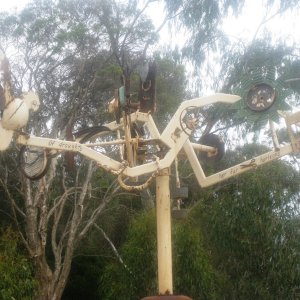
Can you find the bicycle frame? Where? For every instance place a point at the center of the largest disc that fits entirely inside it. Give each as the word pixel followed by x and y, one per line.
pixel 175 139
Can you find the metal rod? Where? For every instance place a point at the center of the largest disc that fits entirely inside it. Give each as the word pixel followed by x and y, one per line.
pixel 127 132
pixel 121 141
pixel 164 244
pixel 203 148
pixel 121 149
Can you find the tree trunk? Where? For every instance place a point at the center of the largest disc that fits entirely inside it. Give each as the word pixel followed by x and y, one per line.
pixel 44 276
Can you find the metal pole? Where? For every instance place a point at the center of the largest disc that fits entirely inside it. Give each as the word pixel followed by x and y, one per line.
pixel 164 244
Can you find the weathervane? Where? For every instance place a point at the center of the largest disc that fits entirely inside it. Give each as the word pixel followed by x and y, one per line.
pixel 131 147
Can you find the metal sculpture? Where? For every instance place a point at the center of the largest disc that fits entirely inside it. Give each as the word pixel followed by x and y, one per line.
pixel 122 148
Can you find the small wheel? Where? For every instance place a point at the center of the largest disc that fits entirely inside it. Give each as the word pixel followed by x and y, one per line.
pixel 214 141
pixel 261 97
pixel 189 120
pixel 33 162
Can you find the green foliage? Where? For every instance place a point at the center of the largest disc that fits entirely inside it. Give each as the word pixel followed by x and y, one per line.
pixel 70 47
pixel 83 278
pixel 291 71
pixel 251 227
pixel 194 274
pixel 16 271
pixel 137 278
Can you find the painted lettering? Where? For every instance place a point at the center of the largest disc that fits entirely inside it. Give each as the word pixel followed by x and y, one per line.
pixel 234 170
pixel 222 175
pixel 269 157
pixel 70 147
pixel 51 143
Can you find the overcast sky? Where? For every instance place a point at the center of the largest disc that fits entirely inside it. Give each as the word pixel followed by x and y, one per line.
pixel 12 4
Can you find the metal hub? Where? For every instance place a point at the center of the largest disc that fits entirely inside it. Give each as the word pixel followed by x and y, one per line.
pixel 260 97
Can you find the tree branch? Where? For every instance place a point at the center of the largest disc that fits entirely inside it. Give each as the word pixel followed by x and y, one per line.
pixel 74 223
pixel 12 200
pixel 134 21
pixel 109 195
pixel 266 20
pixel 114 249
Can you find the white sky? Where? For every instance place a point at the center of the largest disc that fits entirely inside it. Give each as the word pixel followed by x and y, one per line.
pixel 255 13
pixel 12 4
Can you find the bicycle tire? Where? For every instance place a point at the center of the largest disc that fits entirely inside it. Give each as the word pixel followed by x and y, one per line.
pixel 84 135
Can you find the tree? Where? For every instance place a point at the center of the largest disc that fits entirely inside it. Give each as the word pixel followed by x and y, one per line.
pixel 170 92
pixel 203 21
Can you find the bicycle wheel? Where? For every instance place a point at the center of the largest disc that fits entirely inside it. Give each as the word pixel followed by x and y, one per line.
pixel 101 139
pixel 33 162
pixel 87 134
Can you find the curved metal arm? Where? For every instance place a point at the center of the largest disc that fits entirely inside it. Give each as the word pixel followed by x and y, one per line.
pixel 139 187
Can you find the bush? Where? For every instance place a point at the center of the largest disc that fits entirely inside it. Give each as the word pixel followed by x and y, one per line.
pixel 17 280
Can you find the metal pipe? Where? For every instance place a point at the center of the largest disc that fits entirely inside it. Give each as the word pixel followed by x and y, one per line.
pixel 204 148
pixel 164 244
pixel 121 141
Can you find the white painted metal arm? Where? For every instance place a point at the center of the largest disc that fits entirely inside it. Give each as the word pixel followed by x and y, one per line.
pixel 234 170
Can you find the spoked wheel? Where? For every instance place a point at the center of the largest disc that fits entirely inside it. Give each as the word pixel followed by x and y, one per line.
pixel 191 121
pixel 33 162
pixel 90 134
pixel 100 139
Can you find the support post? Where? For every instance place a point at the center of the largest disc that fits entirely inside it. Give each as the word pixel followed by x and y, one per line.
pixel 164 240
pixel 164 244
